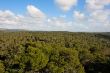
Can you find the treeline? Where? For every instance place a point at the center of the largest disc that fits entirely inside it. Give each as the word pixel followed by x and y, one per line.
pixel 54 52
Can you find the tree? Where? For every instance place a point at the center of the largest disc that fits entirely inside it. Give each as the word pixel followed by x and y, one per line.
pixel 2 68
pixel 64 60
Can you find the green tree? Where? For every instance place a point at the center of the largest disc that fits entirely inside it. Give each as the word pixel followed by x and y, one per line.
pixel 2 68
pixel 64 60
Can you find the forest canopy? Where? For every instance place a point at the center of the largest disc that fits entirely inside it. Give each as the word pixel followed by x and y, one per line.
pixel 54 52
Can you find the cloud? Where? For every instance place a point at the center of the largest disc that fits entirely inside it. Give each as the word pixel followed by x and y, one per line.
pixel 35 20
pixel 66 5
pixel 59 24
pixel 35 12
pixel 100 18
pixel 100 15
pixel 8 17
pixel 97 4
pixel 96 20
pixel 78 15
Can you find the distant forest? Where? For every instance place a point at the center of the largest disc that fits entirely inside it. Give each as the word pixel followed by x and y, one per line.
pixel 54 52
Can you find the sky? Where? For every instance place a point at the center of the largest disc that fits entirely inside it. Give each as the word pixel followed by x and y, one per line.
pixel 56 15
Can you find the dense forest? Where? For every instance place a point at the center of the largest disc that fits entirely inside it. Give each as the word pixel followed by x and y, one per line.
pixel 54 52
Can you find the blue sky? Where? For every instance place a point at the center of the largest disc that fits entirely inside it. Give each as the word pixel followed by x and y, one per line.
pixel 69 15
pixel 48 6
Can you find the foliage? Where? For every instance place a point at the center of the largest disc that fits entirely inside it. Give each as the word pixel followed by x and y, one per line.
pixel 54 52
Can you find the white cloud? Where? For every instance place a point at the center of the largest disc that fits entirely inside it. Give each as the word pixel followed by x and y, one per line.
pixel 59 23
pixel 97 20
pixel 66 5
pixel 97 4
pixel 100 15
pixel 35 20
pixel 35 12
pixel 78 15
pixel 8 17
pixel 6 13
